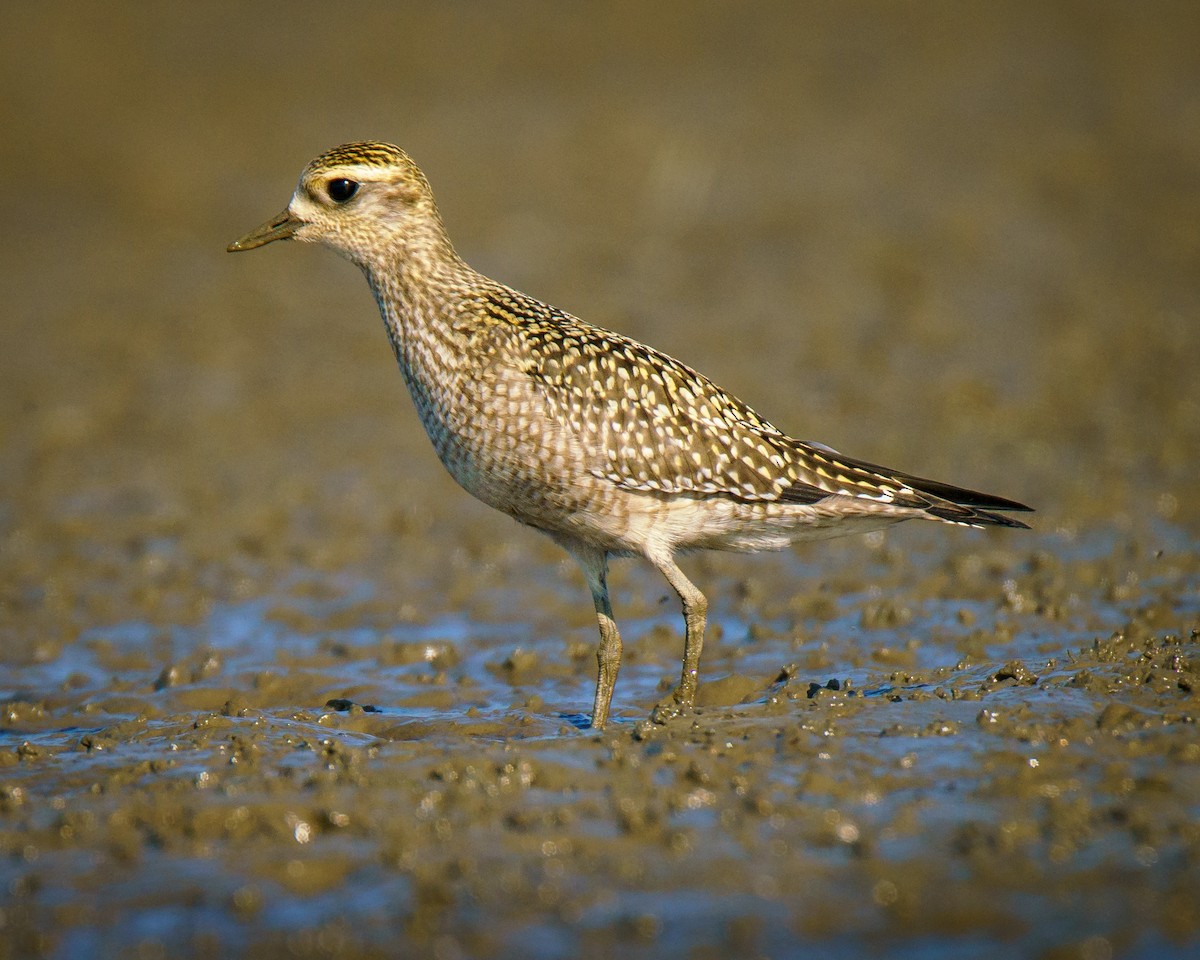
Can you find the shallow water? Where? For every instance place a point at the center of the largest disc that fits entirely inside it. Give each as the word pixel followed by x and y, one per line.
pixel 270 685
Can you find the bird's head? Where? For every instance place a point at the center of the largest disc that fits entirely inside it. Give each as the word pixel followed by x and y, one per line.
pixel 366 200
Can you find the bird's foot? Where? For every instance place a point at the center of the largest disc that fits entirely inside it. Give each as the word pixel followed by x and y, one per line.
pixel 672 708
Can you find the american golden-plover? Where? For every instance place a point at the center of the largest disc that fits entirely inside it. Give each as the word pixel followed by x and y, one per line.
pixel 605 445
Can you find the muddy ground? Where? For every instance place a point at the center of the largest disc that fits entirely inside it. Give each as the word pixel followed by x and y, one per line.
pixel 270 685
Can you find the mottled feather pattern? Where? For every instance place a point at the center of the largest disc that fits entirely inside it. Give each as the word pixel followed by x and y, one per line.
pixel 654 424
pixel 650 422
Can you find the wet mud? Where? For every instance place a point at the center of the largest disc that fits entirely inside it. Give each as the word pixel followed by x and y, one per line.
pixel 270 685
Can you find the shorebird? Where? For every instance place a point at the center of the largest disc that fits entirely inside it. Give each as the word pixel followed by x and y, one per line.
pixel 609 447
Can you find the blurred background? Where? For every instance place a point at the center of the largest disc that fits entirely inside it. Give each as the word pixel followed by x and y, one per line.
pixel 962 239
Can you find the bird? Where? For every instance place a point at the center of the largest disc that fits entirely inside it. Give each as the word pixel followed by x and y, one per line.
pixel 608 446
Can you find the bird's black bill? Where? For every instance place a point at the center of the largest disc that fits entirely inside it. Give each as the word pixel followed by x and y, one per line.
pixel 282 227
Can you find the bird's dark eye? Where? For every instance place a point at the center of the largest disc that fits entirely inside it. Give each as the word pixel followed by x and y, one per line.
pixel 341 189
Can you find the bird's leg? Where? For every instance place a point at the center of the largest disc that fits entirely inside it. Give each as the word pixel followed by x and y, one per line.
pixel 695 615
pixel 608 655
pixel 608 659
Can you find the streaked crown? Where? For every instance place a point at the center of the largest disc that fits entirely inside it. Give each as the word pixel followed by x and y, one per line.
pixel 368 160
pixel 363 153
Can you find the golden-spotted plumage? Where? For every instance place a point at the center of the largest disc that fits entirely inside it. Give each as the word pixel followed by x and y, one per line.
pixel 608 446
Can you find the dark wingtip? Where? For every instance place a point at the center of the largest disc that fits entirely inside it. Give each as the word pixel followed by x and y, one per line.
pixel 1002 503
pixel 965 497
pixel 958 504
pixel 961 513
pixel 999 520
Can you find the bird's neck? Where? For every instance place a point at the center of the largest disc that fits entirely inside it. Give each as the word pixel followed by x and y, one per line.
pixel 418 291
